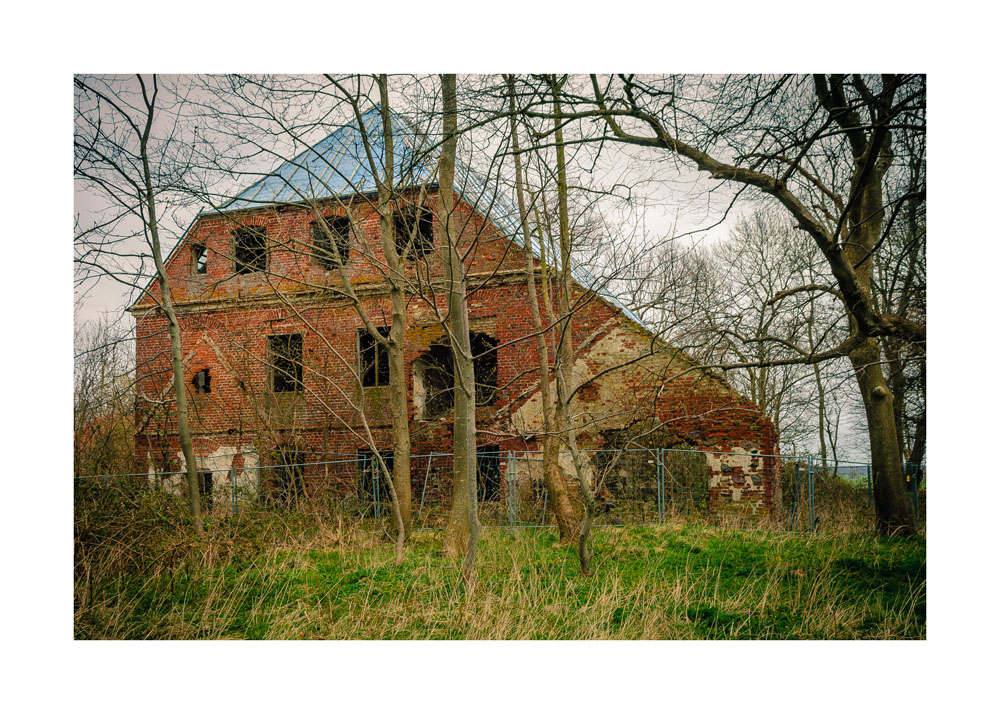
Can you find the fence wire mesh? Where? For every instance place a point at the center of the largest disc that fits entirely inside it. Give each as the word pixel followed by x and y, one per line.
pixel 631 486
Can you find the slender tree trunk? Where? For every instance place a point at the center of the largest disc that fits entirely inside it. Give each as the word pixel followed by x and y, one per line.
pixel 400 405
pixel 399 485
pixel 183 431
pixel 919 445
pixel 462 534
pixel 564 368
pixel 399 401
pixel 822 414
pixel 552 475
pixel 821 395
pixel 895 379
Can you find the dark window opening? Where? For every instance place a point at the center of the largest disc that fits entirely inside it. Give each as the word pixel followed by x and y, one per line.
pixel 285 358
pixel 434 382
pixel 488 473
pixel 287 481
pixel 202 382
pixel 250 249
pixel 205 489
pixel 373 358
pixel 371 481
pixel 484 360
pixel 414 230
pixel 199 259
pixel 335 237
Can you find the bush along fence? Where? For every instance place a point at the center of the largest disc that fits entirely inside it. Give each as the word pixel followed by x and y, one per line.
pixel 632 486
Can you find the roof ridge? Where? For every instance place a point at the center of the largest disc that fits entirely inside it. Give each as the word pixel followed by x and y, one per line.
pixel 326 167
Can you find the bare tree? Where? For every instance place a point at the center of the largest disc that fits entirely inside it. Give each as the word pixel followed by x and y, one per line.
pixel 552 475
pixel 463 525
pixel 386 182
pixel 265 114
pixel 103 400
pixel 564 366
pixel 114 134
pixel 822 147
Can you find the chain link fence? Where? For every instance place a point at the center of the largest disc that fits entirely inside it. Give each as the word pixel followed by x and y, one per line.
pixel 631 486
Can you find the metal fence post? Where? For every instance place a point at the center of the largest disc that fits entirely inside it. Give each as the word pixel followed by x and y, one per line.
pixel 232 484
pixel 660 496
pixel 796 487
pixel 511 489
pixel 812 497
pixel 514 483
pixel 868 469
pixel 423 491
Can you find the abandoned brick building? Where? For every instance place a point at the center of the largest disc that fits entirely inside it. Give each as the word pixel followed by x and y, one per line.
pixel 277 359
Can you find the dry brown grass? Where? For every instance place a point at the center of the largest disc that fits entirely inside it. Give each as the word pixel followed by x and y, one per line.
pixel 280 575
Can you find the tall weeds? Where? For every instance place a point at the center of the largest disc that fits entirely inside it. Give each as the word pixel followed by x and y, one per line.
pixel 307 574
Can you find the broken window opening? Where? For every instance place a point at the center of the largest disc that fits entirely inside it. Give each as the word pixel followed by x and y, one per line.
pixel 287 481
pixel 285 358
pixel 205 489
pixel 434 382
pixel 250 249
pixel 373 358
pixel 371 482
pixel 202 382
pixel 488 473
pixel 414 231
pixel 199 259
pixel 335 237
pixel 484 360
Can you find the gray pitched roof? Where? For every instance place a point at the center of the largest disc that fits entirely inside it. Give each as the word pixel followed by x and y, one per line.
pixel 338 166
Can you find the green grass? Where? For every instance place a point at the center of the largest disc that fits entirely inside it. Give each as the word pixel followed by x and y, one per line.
pixel 677 581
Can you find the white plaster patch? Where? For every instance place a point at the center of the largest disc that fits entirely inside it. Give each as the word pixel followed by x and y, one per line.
pixel 220 463
pixel 738 458
pixel 607 351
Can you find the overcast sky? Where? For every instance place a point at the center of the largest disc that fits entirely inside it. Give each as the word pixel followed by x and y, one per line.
pixel 668 199
pixel 49 43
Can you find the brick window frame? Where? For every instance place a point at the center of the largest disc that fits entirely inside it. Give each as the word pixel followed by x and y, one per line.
pixel 423 240
pixel 250 254
pixel 199 259
pixel 373 358
pixel 284 359
pixel 323 249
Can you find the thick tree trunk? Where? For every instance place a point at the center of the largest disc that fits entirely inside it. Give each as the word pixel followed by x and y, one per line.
pixel 552 475
pixel 865 216
pixel 893 510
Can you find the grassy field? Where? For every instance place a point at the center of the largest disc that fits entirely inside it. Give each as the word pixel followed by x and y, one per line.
pixel 300 577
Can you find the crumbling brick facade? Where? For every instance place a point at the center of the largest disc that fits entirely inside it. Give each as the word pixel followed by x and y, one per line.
pixel 242 418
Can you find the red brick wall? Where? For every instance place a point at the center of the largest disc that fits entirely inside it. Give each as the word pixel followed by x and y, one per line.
pixel 225 321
